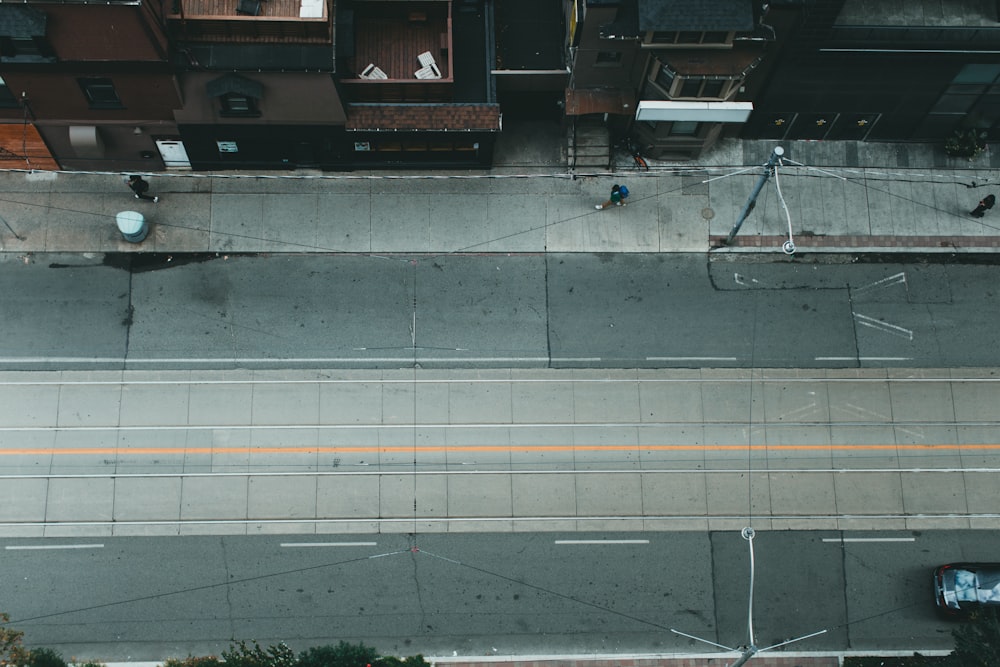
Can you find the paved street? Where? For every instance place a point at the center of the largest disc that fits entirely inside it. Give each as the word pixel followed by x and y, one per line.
pixel 495 311
pixel 144 453
pixel 484 593
pixel 414 360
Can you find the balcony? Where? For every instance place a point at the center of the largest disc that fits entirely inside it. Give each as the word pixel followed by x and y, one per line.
pixel 251 21
pixel 402 52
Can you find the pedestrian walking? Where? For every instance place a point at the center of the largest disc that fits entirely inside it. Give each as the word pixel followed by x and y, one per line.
pixel 985 204
pixel 616 198
pixel 140 187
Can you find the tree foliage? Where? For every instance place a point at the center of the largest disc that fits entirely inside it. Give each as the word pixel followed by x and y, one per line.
pixel 241 654
pixel 340 655
pixel 12 651
pixel 977 643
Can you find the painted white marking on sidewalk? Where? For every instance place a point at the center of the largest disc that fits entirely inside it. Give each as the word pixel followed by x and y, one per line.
pixel 39 547
pixel 291 545
pixel 884 327
pixel 844 540
pixel 602 541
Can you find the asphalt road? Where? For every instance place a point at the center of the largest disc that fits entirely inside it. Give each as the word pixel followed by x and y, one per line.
pixel 148 598
pixel 569 310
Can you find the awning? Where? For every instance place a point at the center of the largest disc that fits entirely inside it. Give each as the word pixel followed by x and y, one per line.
pixel 703 112
pixel 21 22
pixel 234 84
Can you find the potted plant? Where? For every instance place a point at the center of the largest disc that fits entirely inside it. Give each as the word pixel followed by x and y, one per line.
pixel 967 142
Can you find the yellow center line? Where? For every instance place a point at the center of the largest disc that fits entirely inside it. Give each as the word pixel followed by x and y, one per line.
pixel 150 451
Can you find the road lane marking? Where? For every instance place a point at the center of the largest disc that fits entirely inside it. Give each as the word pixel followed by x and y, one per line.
pixel 895 279
pixel 863 358
pixel 844 540
pixel 39 547
pixel 691 359
pixel 312 361
pixel 328 544
pixel 573 542
pixel 884 327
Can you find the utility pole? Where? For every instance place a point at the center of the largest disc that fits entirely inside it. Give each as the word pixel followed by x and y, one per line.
pixel 751 649
pixel 772 162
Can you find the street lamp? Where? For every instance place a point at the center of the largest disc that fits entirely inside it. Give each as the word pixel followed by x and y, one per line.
pixel 748 651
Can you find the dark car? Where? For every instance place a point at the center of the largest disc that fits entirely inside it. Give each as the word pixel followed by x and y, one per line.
pixel 961 588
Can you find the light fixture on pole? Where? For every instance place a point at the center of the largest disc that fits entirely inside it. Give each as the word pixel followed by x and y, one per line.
pixel 748 651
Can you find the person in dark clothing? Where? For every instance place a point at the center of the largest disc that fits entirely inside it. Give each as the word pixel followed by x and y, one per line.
pixel 140 187
pixel 985 204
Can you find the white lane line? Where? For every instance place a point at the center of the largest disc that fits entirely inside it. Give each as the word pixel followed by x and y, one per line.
pixel 690 358
pixel 863 358
pixel 39 547
pixel 884 327
pixel 275 360
pixel 602 541
pixel 844 540
pixel 895 279
pixel 328 544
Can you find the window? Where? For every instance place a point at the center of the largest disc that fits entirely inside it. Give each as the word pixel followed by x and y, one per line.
pixel 235 104
pixel 7 99
pixel 693 87
pixel 25 50
pixel 677 86
pixel 688 38
pixel 684 128
pixel 100 93
pixel 608 59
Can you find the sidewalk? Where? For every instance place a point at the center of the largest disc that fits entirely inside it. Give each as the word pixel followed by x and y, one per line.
pixel 852 198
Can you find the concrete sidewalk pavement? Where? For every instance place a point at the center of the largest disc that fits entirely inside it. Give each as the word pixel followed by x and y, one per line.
pixel 528 207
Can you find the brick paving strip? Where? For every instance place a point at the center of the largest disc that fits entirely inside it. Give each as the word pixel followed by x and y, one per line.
pixel 759 660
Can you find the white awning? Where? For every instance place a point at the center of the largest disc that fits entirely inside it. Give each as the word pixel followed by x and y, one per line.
pixel 718 112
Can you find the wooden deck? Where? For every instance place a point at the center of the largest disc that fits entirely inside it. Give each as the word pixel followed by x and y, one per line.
pixel 216 9
pixel 393 45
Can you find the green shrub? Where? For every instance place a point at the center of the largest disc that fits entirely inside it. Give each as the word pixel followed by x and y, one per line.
pixel 411 661
pixel 969 143
pixel 193 661
pixel 44 657
pixel 341 655
pixel 242 655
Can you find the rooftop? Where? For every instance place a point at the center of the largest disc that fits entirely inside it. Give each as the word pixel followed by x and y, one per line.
pixel 931 13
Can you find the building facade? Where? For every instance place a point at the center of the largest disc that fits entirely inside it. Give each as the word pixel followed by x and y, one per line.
pixel 878 71
pixel 146 85
pixel 668 73
pixel 85 86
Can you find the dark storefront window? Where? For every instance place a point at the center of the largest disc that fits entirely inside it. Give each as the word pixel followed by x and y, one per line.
pixel 972 100
pixel 100 93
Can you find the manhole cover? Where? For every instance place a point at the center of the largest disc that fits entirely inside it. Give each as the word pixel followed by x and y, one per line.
pixel 707 213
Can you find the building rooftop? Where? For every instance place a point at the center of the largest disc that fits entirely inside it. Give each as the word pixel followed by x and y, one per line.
pixel 696 15
pixel 409 117
pixel 935 13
